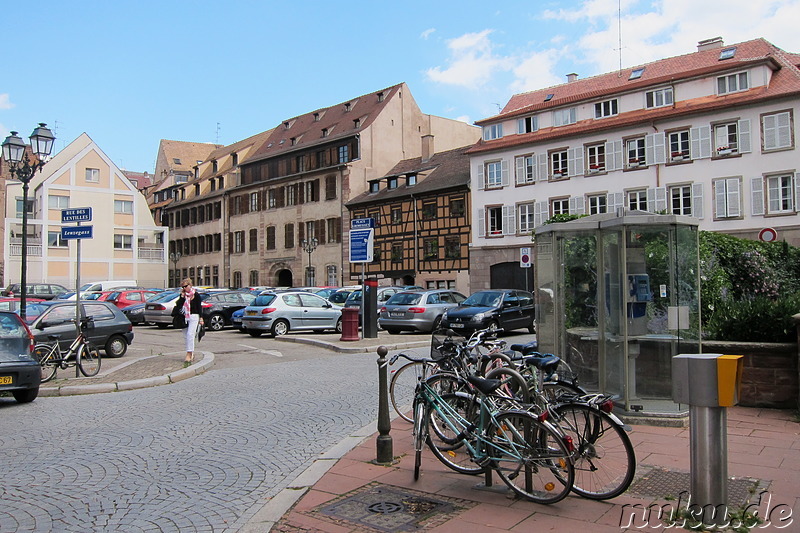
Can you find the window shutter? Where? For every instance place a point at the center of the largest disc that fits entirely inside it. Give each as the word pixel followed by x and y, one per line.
pixel 615 200
pixel 654 149
pixel 700 142
pixel 504 179
pixel 480 178
pixel 784 126
pixel 481 213
pixel 734 197
pixel 744 136
pixel 520 164
pixel 757 196
pixel 720 198
pixel 575 161
pixel 540 213
pixel 301 232
pixel 230 243
pixel 797 191
pixel 613 151
pixel 321 231
pixel 541 167
pixel 769 125
pixel 577 205
pixel 697 200
pixel 657 199
pixel 509 220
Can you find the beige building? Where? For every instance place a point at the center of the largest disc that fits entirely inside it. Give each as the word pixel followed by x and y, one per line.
pixel 126 243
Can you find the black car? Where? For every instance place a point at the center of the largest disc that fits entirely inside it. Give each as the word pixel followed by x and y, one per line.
pixel 44 291
pixel 499 309
pixel 218 307
pixel 20 374
pixel 112 330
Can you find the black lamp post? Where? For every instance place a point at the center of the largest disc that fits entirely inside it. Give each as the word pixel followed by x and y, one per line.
pixel 309 246
pixel 175 257
pixel 23 169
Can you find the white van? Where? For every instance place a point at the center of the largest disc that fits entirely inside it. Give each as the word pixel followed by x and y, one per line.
pixel 100 286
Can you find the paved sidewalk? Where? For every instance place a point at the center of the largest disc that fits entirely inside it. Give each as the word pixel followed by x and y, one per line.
pixel 344 491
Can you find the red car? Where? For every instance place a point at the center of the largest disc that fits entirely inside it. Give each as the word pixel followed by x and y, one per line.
pixel 12 304
pixel 124 298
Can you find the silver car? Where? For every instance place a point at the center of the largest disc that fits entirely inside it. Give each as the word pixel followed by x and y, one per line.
pixel 281 312
pixel 417 310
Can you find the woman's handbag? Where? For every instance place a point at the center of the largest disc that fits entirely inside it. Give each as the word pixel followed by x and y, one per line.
pixel 201 331
pixel 178 320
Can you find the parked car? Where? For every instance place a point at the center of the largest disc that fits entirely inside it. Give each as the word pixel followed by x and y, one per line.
pixel 124 298
pixel 339 297
pixel 20 374
pixel 326 292
pixel 417 310
pixel 281 312
pixel 135 312
pixel 112 330
pixel 499 309
pixel 384 293
pixel 44 291
pixel 236 319
pixel 12 304
pixel 158 311
pixel 218 307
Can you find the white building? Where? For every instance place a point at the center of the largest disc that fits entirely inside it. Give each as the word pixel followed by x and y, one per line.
pixel 126 243
pixel 710 134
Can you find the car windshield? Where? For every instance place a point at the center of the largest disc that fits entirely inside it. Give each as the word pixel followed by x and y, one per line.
pixel 404 298
pixel 15 343
pixel 354 296
pixel 339 297
pixel 263 300
pixel 34 310
pixel 484 299
pixel 163 297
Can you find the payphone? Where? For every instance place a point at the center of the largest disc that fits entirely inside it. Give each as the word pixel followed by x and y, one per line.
pixel 638 295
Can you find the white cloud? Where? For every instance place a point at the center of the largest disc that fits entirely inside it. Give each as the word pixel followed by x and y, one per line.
pixel 536 71
pixel 5 101
pixel 472 61
pixel 427 33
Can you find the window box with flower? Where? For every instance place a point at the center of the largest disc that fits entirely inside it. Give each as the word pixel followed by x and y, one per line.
pixel 594 169
pixel 724 150
pixel 679 156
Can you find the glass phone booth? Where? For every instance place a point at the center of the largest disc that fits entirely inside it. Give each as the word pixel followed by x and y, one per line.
pixel 618 297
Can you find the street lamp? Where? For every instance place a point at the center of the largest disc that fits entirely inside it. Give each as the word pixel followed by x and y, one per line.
pixel 23 169
pixel 309 246
pixel 175 257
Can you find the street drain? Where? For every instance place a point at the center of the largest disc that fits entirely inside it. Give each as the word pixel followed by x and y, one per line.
pixel 660 483
pixel 387 508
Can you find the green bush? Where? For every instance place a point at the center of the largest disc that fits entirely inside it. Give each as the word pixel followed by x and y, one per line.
pixel 759 319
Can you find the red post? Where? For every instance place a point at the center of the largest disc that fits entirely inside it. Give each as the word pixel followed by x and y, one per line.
pixel 349 324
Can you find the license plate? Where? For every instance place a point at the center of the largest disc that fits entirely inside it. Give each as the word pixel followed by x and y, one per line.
pixel 399 314
pixel 456 325
pixel 6 380
pixel 251 313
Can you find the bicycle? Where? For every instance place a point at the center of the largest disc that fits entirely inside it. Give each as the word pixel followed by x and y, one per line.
pixel 86 355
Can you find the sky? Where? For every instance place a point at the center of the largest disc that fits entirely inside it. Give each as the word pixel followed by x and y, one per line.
pixel 130 73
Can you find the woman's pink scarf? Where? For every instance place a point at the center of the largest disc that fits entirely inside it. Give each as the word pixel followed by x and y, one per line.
pixel 187 299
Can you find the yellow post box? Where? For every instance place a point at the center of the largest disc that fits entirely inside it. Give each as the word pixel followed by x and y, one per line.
pixel 706 379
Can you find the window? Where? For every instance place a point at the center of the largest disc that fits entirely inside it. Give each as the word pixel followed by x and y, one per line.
pixel 494 174
pixel 333 275
pixel 288 236
pixel 635 152
pixel 253 278
pixel 596 158
pixel 322 159
pixel 123 206
pixel 396 214
pixel 727 198
pixel 54 240
pixel 344 156
pixel 560 206
pixel 678 145
pixel 527 124
pixel 214 166
pixel 452 247
pixel 391 183
pixel 493 131
pixel 430 249
pixel 776 131
pixel 727 53
pixel 31 204
pixel 330 187
pixel 526 169
pixel 291 194
pixel 374 186
pixel 58 202
pixel 429 210
pixel 681 198
pixel 779 194
pixel 93 175
pixel 272 198
pixel 237 279
pixel 558 164
pixel 311 191
pixel 254 204
pixel 609 108
pixel 324 132
pixel 397 252
pixel 234 159
pixel 636 74
pixel 732 83
pixel 457 206
pixel 123 242
pixel 334 232
pixel 597 204
pixel 270 238
pixel 731 138
pixel 238 242
pixel 525 212
pixel 411 180
pixel 562 117
pixel 310 228
pixel 659 98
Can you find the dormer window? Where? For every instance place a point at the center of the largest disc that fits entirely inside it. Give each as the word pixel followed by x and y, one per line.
pixel 316 117
pixel 347 107
pixel 392 183
pixel 549 97
pixel 357 123
pixel 733 83
pixel 411 180
pixel 381 96
pixel 197 189
pixel 636 74
pixel 286 125
pixel 728 53
pixel 234 159
pixel 494 131
pixel 214 166
pixel 293 140
pixel 609 108
pixel 324 132
pixel 374 186
pixel 527 124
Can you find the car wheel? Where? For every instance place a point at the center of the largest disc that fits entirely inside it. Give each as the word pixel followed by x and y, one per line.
pixel 116 346
pixel 254 332
pixel 216 322
pixel 392 331
pixel 25 396
pixel 159 325
pixel 339 325
pixel 279 328
pixel 436 323
pixel 494 327
pixel 532 327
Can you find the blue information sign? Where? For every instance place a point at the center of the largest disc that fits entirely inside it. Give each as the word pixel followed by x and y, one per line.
pixel 76 232
pixel 361 245
pixel 362 223
pixel 76 214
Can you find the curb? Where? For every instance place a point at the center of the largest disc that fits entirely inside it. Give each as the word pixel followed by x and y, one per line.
pixel 179 375
pixel 355 349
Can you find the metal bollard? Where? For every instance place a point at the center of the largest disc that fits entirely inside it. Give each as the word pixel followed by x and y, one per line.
pixel 385 454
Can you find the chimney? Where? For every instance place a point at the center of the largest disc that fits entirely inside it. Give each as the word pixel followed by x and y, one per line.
pixel 571 77
pixel 709 44
pixel 427 147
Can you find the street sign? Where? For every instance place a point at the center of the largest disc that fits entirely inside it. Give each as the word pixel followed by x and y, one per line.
pixel 76 214
pixel 361 245
pixel 362 223
pixel 76 232
pixel 768 235
pixel 525 257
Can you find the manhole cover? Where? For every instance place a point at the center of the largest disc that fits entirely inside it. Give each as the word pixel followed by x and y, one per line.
pixel 388 508
pixel 660 483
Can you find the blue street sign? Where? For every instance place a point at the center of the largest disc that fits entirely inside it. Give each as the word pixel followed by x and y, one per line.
pixel 76 214
pixel 362 223
pixel 361 245
pixel 76 232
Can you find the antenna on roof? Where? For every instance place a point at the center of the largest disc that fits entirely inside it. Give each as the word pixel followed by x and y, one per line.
pixel 499 107
pixel 619 32
pixel 217 141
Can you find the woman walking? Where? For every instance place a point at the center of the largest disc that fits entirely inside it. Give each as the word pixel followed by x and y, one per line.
pixel 189 303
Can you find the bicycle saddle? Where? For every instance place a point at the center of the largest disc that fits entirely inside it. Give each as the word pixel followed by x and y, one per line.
pixel 525 349
pixel 486 386
pixel 54 337
pixel 547 363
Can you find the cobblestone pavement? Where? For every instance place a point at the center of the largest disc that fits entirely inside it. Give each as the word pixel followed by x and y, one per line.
pixel 199 455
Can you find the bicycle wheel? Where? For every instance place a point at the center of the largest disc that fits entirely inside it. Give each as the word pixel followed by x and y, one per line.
pixel 496 360
pixel 554 390
pixel 402 385
pixel 420 427
pixel 604 459
pixel 44 354
pixel 89 360
pixel 531 457
pixel 448 445
pixel 514 385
